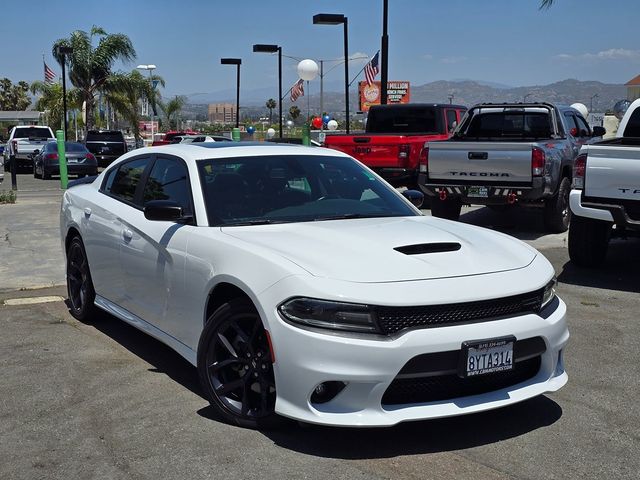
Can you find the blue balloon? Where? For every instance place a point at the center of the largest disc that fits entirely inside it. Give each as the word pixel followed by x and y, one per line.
pixel 250 130
pixel 325 119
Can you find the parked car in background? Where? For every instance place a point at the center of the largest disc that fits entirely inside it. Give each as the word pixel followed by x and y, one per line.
pixel 301 284
pixel 23 141
pixel 80 161
pixel 605 200
pixel 394 137
pixel 199 138
pixel 170 135
pixel 507 153
pixel 106 145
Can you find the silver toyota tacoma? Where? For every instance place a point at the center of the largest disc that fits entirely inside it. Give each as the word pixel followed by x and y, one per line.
pixel 506 154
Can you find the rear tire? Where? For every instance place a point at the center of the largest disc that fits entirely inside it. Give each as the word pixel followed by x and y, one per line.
pixel 588 241
pixel 45 175
pixel 449 208
pixel 557 213
pixel 79 283
pixel 35 172
pixel 235 366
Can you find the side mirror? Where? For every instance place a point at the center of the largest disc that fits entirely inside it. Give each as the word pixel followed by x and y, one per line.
pixel 165 211
pixel 599 131
pixel 414 196
pixel 453 126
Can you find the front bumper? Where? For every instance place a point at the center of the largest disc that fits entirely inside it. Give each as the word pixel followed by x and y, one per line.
pixel 306 358
pixel 72 169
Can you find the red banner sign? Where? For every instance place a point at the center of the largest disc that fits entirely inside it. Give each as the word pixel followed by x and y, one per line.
pixel 397 92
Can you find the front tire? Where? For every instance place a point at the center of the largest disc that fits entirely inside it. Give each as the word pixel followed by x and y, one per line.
pixel 557 213
pixel 449 208
pixel 235 366
pixel 588 241
pixel 79 283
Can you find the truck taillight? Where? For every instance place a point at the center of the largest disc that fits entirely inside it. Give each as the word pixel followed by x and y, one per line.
pixel 424 160
pixel 579 169
pixel 537 162
pixel 403 154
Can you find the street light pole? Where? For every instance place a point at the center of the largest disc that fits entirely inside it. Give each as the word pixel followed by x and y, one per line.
pixel 64 51
pixel 150 68
pixel 595 95
pixel 237 62
pixel 268 48
pixel 385 53
pixel 336 19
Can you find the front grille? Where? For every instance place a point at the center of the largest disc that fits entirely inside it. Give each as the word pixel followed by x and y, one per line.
pixel 450 386
pixel 394 319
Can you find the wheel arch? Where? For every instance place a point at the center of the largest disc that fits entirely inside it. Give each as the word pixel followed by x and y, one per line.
pixel 220 294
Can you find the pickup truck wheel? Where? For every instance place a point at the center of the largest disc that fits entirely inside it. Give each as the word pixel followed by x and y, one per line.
pixel 556 210
pixel 35 172
pixel 449 208
pixel 588 241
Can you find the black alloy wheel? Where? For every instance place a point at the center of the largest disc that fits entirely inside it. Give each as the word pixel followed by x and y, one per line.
pixel 235 366
pixel 79 284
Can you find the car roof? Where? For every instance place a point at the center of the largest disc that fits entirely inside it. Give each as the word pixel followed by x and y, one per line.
pixel 205 150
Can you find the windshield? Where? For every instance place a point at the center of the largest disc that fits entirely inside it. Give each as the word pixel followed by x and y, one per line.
pixel 32 132
pixel 404 120
pixel 294 188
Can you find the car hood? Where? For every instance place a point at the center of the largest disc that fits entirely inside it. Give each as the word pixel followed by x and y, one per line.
pixel 364 250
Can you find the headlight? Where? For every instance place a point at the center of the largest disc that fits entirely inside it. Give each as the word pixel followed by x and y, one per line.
pixel 328 314
pixel 549 292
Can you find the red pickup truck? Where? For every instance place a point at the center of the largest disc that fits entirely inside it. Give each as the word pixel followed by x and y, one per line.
pixel 395 135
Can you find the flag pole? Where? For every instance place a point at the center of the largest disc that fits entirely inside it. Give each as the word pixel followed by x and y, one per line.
pixel 362 69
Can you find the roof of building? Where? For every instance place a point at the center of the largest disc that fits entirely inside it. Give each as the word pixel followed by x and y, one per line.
pixel 635 81
pixel 19 116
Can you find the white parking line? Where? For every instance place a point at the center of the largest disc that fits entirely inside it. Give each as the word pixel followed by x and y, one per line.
pixel 33 300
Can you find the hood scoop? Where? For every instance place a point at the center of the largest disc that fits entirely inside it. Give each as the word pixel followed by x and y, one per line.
pixel 421 248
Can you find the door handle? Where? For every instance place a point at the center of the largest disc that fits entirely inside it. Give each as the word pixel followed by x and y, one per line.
pixel 127 234
pixel 87 212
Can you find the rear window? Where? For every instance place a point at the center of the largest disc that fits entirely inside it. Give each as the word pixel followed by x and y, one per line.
pixel 509 124
pixel 105 136
pixel 32 132
pixel 633 126
pixel 404 120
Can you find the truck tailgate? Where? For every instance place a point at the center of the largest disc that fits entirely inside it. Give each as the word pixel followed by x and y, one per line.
pixel 27 146
pixel 482 162
pixel 377 151
pixel 613 172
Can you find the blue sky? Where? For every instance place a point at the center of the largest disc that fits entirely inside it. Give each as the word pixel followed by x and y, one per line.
pixel 505 41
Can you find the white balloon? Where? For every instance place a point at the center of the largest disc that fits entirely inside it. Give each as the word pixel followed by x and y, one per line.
pixel 582 108
pixel 307 69
pixel 332 125
pixel 271 133
pixel 289 123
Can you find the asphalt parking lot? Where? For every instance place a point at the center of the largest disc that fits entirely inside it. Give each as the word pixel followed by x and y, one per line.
pixel 103 400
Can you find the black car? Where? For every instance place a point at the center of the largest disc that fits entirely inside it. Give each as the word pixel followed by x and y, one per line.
pixel 79 161
pixel 106 145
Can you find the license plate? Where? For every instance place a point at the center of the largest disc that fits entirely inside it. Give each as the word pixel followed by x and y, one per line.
pixel 483 357
pixel 72 160
pixel 479 192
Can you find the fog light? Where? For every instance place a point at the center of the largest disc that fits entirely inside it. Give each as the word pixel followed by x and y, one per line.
pixel 326 391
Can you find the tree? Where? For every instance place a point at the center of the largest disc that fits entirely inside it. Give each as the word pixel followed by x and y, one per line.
pixel 271 104
pixel 545 4
pixel 125 91
pixel 294 112
pixel 171 108
pixel 90 66
pixel 50 102
pixel 14 97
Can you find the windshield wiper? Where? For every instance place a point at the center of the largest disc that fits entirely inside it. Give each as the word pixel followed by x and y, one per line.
pixel 250 222
pixel 354 215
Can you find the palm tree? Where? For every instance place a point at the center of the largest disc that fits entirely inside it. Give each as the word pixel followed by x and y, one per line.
pixel 173 107
pixel 294 112
pixel 50 102
pixel 90 66
pixel 125 91
pixel 271 104
pixel 545 4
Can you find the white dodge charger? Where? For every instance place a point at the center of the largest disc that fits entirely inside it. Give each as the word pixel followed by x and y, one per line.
pixel 302 285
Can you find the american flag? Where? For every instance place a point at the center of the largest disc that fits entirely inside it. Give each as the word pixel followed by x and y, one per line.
pixel 297 90
pixel 49 75
pixel 371 69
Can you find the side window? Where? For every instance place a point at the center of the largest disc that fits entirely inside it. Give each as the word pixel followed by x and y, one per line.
pixel 570 122
pixel 583 128
pixel 452 120
pixel 123 181
pixel 633 125
pixel 168 181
